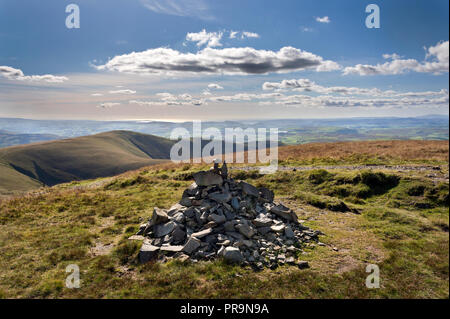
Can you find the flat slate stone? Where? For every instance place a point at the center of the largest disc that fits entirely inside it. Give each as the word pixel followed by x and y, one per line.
pixel 159 216
pixel 191 245
pixel 220 197
pixel 246 230
pixel 284 212
pixel 164 229
pixel 218 219
pixel 262 222
pixel 147 253
pixel 207 178
pixel 249 189
pixel 173 249
pixel 202 233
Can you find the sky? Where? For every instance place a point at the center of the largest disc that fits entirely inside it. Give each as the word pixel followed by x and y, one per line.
pixel 218 60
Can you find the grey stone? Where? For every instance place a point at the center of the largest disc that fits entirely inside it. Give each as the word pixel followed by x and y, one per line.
pixel 164 229
pixel 147 253
pixel 220 197
pixel 235 203
pixel 288 232
pixel 190 212
pixel 159 216
pixel 191 245
pixel 186 201
pixel 249 189
pixel 284 212
pixel 235 235
pixel 218 219
pixel 178 234
pixel 233 255
pixel 262 222
pixel 202 233
pixel 178 217
pixel 266 194
pixel 264 230
pixel 278 228
pixel 229 215
pixel 229 226
pixel 246 230
pixel 173 249
pixel 177 208
pixel 207 178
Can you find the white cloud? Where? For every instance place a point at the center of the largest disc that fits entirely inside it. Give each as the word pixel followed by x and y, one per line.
pixel 393 56
pixel 324 19
pixel 96 94
pixel 243 35
pixel 210 39
pixel 215 86
pixel 107 105
pixel 122 92
pixel 436 62
pixel 183 8
pixel 246 34
pixel 234 34
pixel 165 61
pixel 306 85
pixel 17 74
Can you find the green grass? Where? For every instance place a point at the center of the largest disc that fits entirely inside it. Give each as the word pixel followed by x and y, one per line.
pixel 88 223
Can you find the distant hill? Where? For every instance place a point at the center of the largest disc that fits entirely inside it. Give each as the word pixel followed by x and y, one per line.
pixel 106 154
pixel 10 139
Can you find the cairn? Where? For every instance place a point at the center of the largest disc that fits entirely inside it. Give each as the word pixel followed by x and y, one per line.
pixel 220 217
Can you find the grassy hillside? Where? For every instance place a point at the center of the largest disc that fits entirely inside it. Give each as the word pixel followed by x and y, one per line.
pixel 100 155
pixel 12 180
pixel 376 202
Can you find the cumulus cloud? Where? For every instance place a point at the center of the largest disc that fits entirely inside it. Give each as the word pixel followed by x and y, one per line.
pixel 210 39
pixel 17 74
pixel 324 19
pixel 122 92
pixel 166 61
pixel 183 8
pixel 215 86
pixel 436 62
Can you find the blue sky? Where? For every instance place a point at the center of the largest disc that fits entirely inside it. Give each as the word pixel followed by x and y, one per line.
pixel 334 65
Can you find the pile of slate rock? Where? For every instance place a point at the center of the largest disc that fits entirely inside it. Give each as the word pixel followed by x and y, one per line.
pixel 218 217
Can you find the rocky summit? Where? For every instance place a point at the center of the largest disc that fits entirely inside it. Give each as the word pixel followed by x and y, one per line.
pixel 218 217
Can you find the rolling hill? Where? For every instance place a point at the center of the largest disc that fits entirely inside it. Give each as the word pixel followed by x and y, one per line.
pixel 26 167
pixel 106 154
